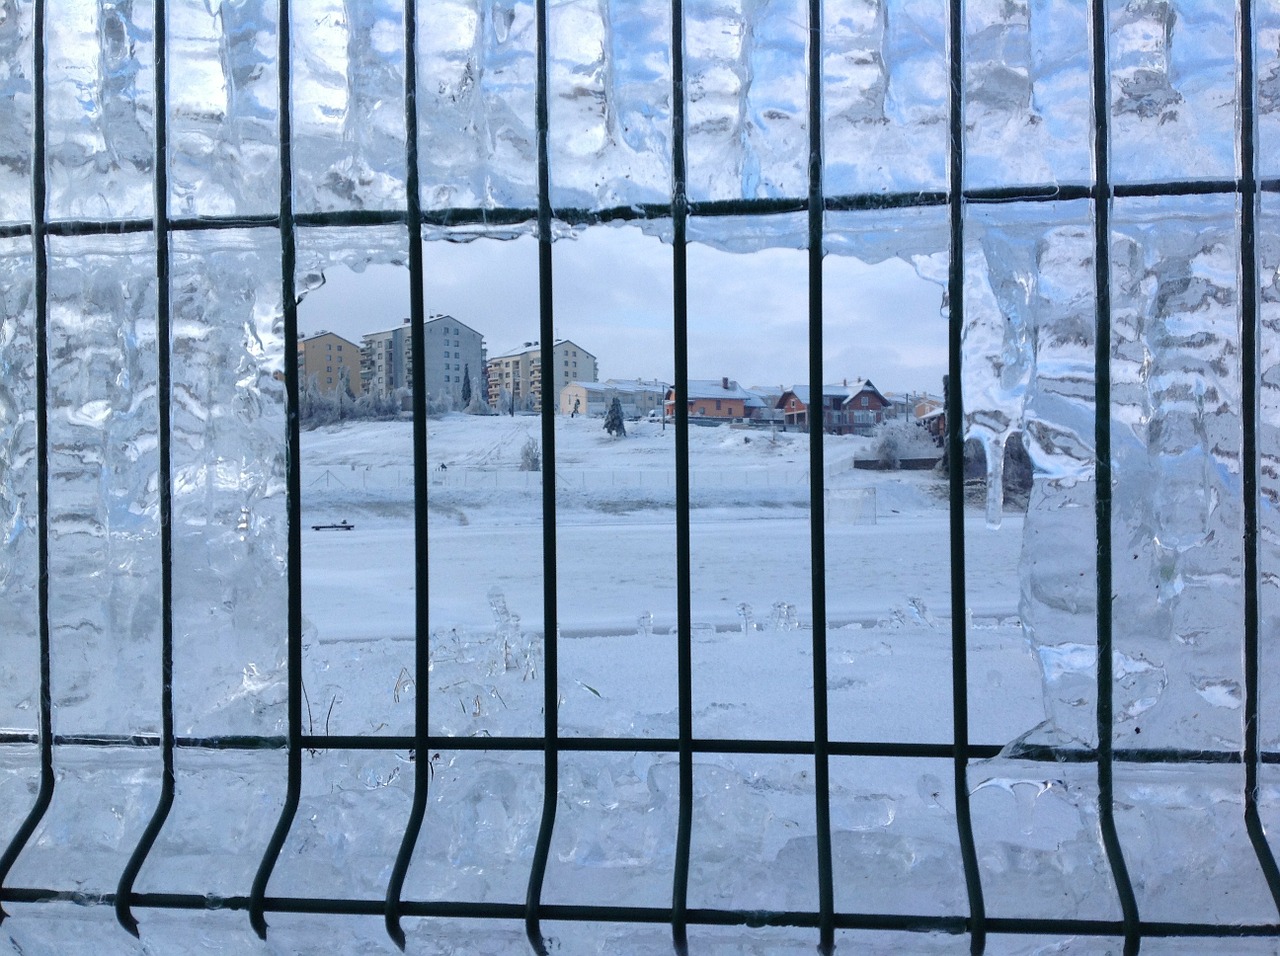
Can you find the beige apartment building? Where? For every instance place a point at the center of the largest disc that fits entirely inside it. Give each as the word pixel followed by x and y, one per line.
pixel 327 362
pixel 519 375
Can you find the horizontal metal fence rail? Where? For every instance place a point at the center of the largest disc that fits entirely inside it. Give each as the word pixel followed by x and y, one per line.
pixel 533 912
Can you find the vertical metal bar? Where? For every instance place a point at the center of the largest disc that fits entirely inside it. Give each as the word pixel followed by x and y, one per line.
pixel 124 890
pixel 293 480
pixel 547 408
pixel 1250 462
pixel 1103 491
pixel 40 260
pixel 421 483
pixel 955 475
pixel 817 502
pixel 680 415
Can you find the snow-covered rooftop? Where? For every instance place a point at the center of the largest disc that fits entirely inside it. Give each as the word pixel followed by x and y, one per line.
pixel 842 392
pixel 722 389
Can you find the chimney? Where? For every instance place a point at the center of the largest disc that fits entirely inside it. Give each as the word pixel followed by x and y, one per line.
pixel 724 383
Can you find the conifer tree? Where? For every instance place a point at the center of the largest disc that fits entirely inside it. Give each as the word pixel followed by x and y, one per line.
pixel 613 421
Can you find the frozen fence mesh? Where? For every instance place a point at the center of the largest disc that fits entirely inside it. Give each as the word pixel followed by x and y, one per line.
pixel 1091 185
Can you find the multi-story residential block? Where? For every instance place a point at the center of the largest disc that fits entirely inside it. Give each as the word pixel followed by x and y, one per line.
pixel 454 352
pixel 520 376
pixel 328 362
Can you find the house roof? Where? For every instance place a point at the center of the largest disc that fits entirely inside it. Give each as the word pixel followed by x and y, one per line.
pixel 841 393
pixel 529 348
pixel 325 333
pixel 715 388
pixel 622 388
pixel 431 320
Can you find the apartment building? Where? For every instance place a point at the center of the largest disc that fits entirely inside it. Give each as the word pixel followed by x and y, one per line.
pixel 453 350
pixel 519 374
pixel 327 362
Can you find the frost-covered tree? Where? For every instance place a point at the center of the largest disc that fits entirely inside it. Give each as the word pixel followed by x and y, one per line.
pixel 898 439
pixel 613 420
pixel 477 405
pixel 531 456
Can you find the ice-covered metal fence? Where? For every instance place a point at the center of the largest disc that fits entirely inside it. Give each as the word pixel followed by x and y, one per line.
pixel 144 212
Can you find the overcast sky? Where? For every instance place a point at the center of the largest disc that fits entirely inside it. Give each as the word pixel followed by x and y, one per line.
pixel 748 312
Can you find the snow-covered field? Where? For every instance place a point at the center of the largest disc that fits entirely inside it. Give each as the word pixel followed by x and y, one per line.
pixel 888 584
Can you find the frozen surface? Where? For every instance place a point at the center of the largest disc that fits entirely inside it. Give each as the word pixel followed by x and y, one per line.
pixel 229 541
pixel 104 521
pixel 223 100
pixel 1029 369
pixel 19 569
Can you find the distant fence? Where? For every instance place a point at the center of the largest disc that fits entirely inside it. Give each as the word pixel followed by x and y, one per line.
pixel 376 478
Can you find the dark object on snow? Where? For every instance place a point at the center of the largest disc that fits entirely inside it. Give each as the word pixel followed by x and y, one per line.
pixel 613 421
pixel 334 527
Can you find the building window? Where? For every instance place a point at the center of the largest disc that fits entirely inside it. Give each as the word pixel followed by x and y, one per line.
pixel 717 404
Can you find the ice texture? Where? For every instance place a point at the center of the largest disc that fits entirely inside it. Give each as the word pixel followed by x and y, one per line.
pixel 476 70
pixel 610 109
pixel 1173 89
pixel 1036 829
pixel 19 555
pixel 104 520
pixel 1027 93
pixel 102 800
pixel 100 108
pixel 201 850
pixel 348 105
pixel 746 100
pixel 1176 453
pixel 228 465
pixel 1269 465
pixel 1266 25
pixel 16 109
pixel 885 87
pixel 223 109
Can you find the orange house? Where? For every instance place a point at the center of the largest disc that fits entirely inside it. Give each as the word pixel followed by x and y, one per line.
pixel 723 399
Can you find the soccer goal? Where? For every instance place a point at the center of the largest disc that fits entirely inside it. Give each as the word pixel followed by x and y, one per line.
pixel 847 506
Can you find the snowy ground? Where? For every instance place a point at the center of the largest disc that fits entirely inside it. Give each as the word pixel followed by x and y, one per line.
pixel 754 844
pixel 888 577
